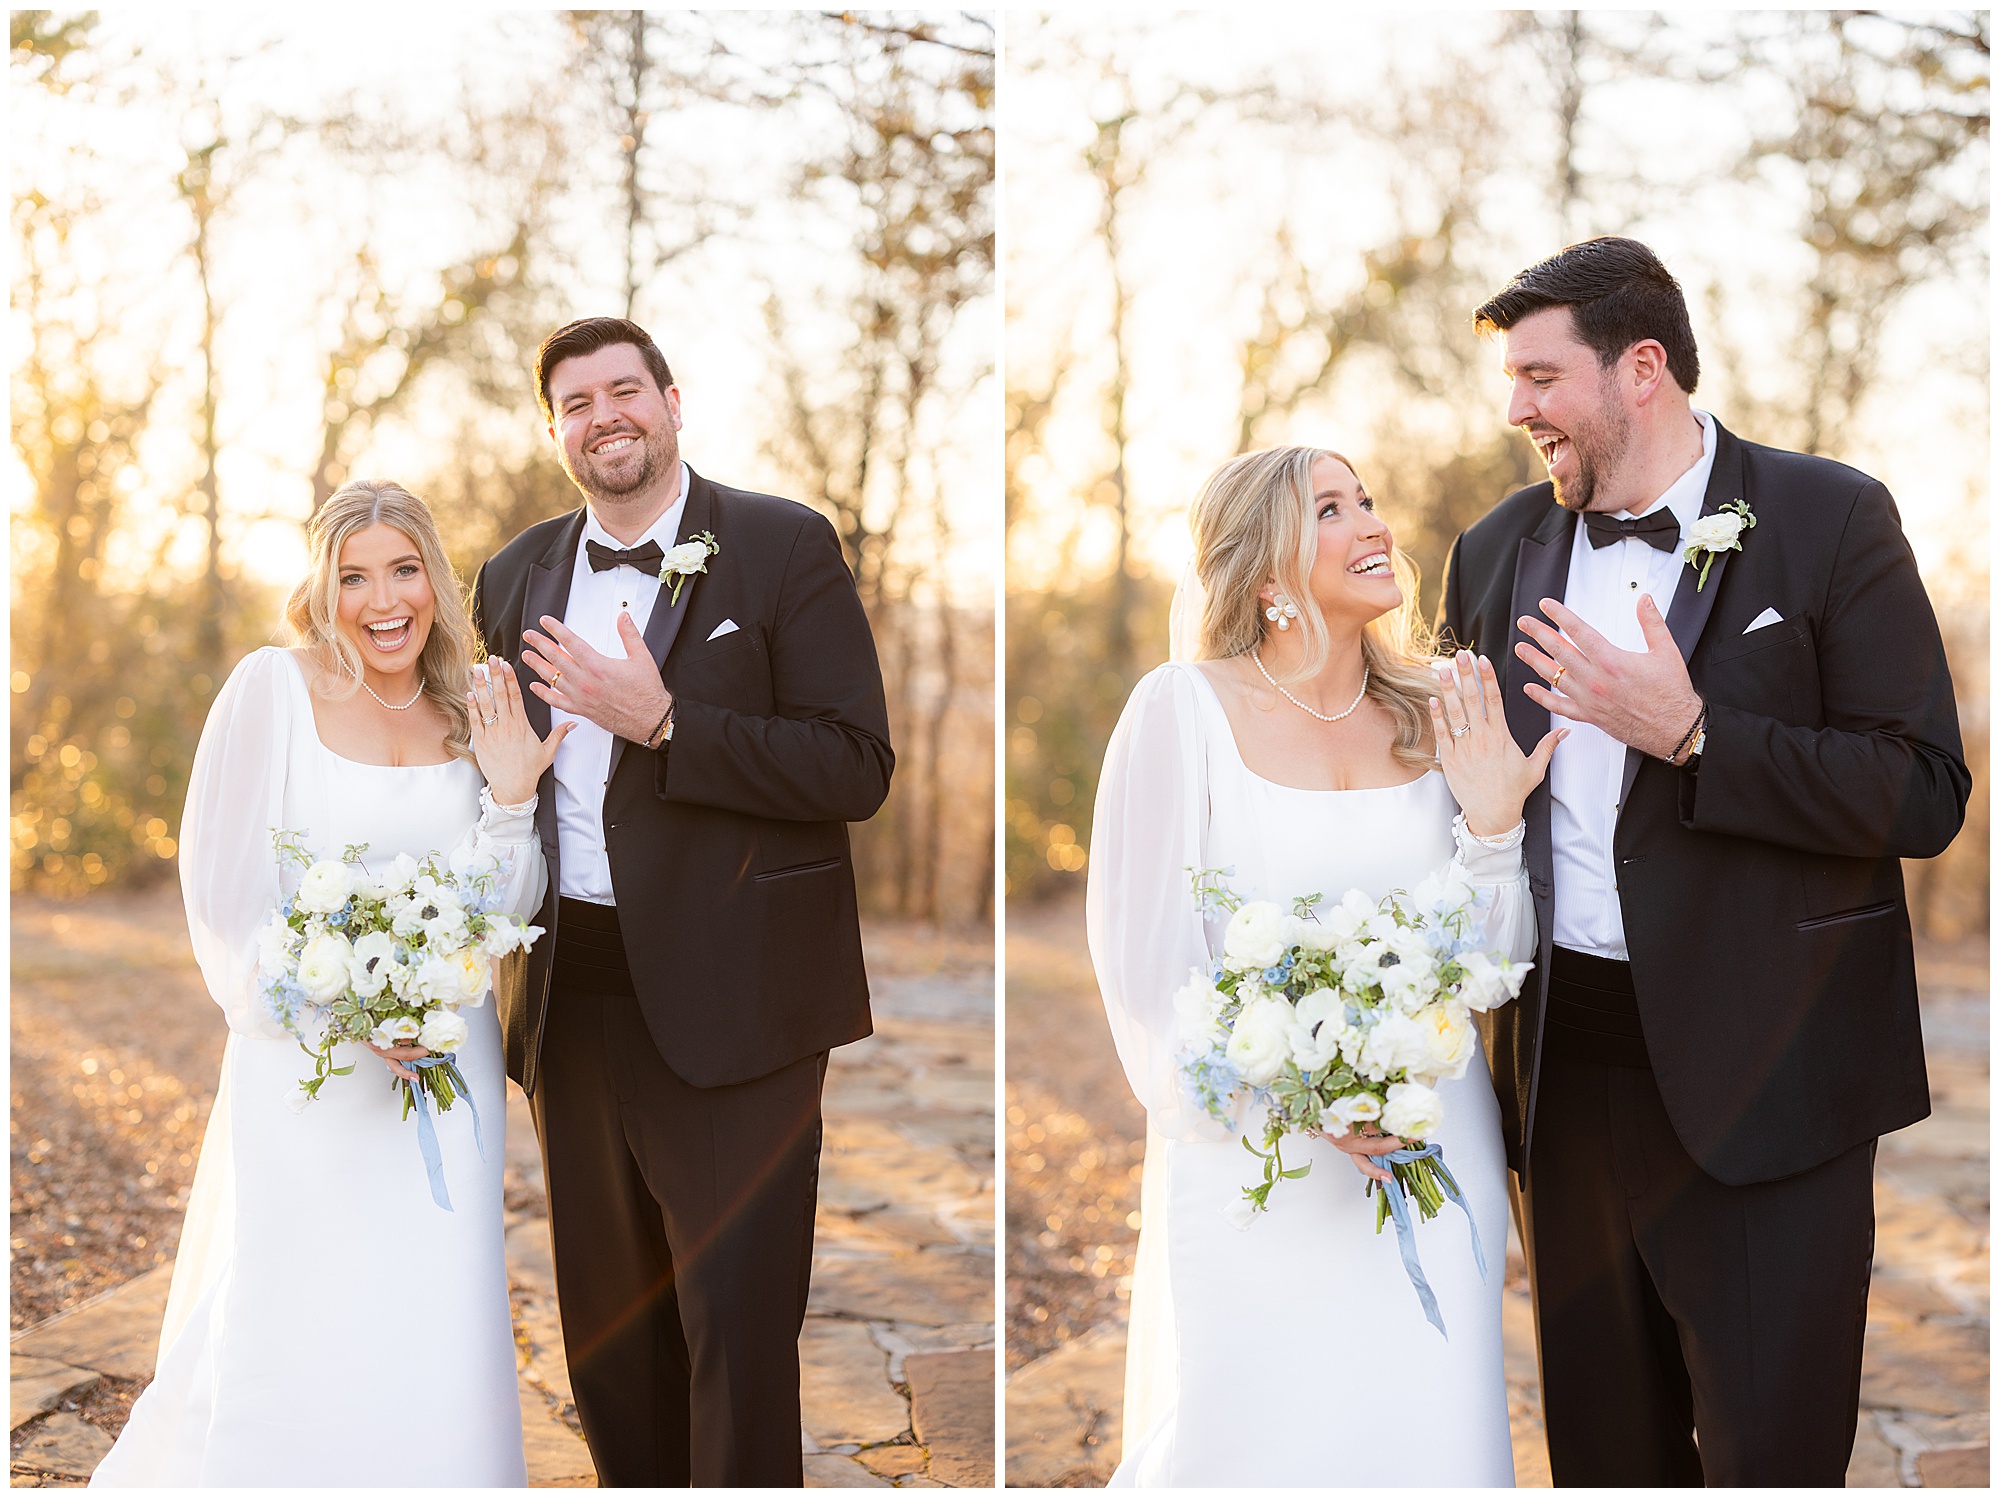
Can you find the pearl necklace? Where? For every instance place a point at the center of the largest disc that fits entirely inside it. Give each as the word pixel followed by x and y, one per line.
pixel 398 707
pixel 1335 718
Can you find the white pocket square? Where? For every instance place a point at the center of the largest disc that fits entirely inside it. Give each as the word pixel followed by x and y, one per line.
pixel 1769 616
pixel 730 626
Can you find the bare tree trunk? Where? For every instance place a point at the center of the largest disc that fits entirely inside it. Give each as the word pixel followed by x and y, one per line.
pixel 1108 162
pixel 194 185
pixel 634 139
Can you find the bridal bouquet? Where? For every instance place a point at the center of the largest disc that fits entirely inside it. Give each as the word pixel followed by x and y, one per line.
pixel 1336 1018
pixel 387 959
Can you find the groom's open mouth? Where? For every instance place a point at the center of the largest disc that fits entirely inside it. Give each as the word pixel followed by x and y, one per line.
pixel 614 445
pixel 388 635
pixel 1551 445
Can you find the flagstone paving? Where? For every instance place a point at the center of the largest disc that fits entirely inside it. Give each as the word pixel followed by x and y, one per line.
pixel 898 1348
pixel 1924 1395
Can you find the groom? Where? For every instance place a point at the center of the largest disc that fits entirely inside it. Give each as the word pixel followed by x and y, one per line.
pixel 1723 1015
pixel 703 951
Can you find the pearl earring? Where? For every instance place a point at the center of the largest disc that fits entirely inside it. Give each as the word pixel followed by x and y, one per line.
pixel 1281 611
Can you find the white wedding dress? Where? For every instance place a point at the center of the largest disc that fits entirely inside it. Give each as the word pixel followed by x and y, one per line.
pixel 1294 1352
pixel 329 1324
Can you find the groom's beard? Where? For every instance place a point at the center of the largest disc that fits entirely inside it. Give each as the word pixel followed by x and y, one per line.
pixel 659 454
pixel 1597 451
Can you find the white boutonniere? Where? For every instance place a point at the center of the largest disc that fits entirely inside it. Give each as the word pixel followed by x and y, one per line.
pixel 1722 531
pixel 683 561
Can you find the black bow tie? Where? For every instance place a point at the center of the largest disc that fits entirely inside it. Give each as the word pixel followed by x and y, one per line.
pixel 1658 530
pixel 646 558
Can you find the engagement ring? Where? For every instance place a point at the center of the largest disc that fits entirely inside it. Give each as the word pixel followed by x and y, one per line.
pixel 1460 732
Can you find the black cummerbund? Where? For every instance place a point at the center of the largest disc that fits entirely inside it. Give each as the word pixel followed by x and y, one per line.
pixel 1593 1012
pixel 590 954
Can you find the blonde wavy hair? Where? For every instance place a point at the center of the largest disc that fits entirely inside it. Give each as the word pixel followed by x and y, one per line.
pixel 314 610
pixel 1253 522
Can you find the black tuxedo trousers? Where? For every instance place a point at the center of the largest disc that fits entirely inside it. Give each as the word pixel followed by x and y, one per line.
pixel 1698 1215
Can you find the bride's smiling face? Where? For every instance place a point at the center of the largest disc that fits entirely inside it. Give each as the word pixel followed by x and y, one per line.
pixel 1351 574
pixel 386 603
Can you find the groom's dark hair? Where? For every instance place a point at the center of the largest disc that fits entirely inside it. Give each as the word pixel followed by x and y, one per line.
pixel 1617 293
pixel 586 336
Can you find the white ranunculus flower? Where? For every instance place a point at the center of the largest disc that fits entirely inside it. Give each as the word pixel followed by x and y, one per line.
pixel 1413 1111
pixel 325 887
pixel 373 958
pixel 1395 1042
pixel 442 1031
pixel 1448 1027
pixel 1344 1112
pixel 689 556
pixel 1346 920
pixel 1319 1023
pixel 1260 1044
pixel 1489 984
pixel 1715 532
pixel 1239 1214
pixel 323 968
pixel 402 1030
pixel 1198 1011
pixel 1256 936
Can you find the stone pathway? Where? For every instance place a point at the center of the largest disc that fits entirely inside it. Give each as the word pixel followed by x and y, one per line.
pixel 1924 1420
pixel 897 1356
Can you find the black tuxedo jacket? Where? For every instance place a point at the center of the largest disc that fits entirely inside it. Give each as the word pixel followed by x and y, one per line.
pixel 1761 893
pixel 728 845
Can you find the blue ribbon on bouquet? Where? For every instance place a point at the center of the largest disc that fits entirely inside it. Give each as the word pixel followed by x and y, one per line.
pixel 1406 1231
pixel 427 1133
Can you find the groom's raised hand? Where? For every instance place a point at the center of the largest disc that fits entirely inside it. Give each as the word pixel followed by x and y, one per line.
pixel 1643 698
pixel 622 695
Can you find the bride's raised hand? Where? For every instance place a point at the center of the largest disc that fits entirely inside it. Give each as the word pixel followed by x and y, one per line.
pixel 1488 774
pixel 503 741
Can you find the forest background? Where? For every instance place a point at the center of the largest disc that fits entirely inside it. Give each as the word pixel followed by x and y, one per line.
pixel 1223 237
pixel 257 256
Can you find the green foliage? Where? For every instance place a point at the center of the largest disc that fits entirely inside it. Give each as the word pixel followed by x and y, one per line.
pixel 1065 697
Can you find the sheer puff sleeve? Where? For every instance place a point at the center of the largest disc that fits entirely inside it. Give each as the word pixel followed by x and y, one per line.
pixel 229 870
pixel 1146 931
pixel 1493 867
pixel 507 836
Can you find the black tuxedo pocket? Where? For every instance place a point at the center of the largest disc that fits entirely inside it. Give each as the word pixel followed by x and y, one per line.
pixel 709 650
pixel 1775 677
pixel 1770 637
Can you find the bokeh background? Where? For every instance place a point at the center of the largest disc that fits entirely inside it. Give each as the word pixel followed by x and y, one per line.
pixel 1227 232
pixel 258 253
pixel 258 256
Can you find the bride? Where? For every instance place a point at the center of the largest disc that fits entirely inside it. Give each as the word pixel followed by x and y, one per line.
pixel 1296 741
pixel 328 1323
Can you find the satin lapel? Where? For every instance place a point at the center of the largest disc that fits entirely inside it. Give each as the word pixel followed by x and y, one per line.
pixel 664 626
pixel 547 593
pixel 1541 570
pixel 1687 615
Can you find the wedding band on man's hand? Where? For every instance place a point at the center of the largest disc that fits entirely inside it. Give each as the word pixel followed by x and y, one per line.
pixel 1556 680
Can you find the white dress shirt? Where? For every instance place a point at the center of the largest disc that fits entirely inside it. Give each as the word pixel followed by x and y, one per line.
pixel 1605 585
pixel 583 759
